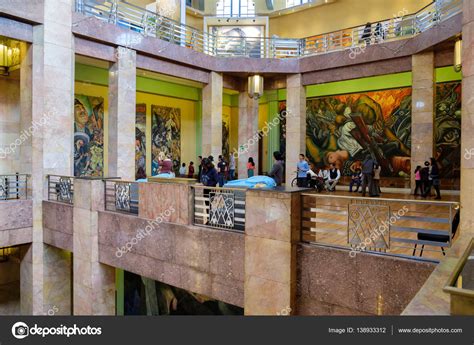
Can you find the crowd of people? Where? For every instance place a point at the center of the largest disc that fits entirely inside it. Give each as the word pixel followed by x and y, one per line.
pixel 365 179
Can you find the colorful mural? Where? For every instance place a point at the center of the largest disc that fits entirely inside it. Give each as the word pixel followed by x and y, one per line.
pixel 447 128
pixel 166 133
pixel 140 140
pixel 88 136
pixel 343 129
pixel 225 135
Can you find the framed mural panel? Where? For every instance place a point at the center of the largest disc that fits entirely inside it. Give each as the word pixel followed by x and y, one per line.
pixel 344 129
pixel 225 135
pixel 140 141
pixel 88 136
pixel 447 129
pixel 166 133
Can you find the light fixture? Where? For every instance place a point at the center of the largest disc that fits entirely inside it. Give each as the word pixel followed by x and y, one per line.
pixel 9 56
pixel 458 55
pixel 255 86
pixel 5 253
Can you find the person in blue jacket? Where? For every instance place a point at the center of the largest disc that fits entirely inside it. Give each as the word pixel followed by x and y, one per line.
pixel 303 168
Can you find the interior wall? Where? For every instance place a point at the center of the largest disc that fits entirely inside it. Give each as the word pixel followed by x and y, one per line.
pixel 339 15
pixel 195 21
pixel 9 122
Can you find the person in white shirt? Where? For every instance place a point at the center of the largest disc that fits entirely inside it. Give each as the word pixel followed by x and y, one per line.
pixel 333 176
pixel 182 170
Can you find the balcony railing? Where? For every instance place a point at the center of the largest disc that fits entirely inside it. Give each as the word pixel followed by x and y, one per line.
pixel 219 208
pixel 354 39
pixel 14 186
pixel 121 196
pixel 401 227
pixel 61 188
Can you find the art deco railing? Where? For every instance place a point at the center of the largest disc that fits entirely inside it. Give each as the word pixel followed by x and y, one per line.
pixel 13 187
pixel 402 227
pixel 61 188
pixel 121 196
pixel 353 39
pixel 219 208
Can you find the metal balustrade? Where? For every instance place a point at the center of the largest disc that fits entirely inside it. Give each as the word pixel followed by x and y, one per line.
pixel 13 187
pixel 219 208
pixel 354 39
pixel 61 188
pixel 403 227
pixel 121 196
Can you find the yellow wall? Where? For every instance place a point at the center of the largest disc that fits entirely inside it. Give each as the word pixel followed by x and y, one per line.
pixel 262 119
pixel 188 120
pixel 195 21
pixel 339 15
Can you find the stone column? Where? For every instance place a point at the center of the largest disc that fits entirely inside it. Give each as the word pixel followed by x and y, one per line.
pixel 271 235
pixel 122 108
pixel 467 139
pixel 25 106
pixel 248 133
pixel 212 116
pixel 52 88
pixel 94 283
pixel 295 124
pixel 422 123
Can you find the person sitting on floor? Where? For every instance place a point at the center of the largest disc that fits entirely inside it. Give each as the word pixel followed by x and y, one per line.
pixel 333 178
pixel 356 179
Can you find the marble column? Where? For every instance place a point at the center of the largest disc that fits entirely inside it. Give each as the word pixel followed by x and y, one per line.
pixel 25 106
pixel 122 99
pixel 248 134
pixel 295 124
pixel 212 116
pixel 422 123
pixel 52 99
pixel 271 236
pixel 467 139
pixel 93 282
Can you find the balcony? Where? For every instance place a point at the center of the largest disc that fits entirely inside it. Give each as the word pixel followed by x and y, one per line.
pixel 353 39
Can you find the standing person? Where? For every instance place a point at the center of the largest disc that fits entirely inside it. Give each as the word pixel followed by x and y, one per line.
pixel 208 179
pixel 333 178
pixel 221 170
pixel 435 178
pixel 250 167
pixel 277 169
pixel 232 167
pixel 367 33
pixel 425 180
pixel 418 182
pixel 182 170
pixel 155 166
pixel 302 168
pixel 367 174
pixel 166 164
pixel 191 170
pixel 377 170
pixel 199 168
pixel 356 179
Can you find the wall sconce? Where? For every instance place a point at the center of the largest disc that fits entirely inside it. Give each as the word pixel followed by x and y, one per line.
pixel 458 55
pixel 255 86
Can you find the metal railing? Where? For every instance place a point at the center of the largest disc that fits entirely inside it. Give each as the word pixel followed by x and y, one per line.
pixel 121 196
pixel 61 188
pixel 219 208
pixel 402 227
pixel 355 39
pixel 13 187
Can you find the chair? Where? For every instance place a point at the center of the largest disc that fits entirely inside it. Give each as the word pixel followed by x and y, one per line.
pixel 439 238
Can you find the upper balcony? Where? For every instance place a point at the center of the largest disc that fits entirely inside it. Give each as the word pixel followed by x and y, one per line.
pixel 353 39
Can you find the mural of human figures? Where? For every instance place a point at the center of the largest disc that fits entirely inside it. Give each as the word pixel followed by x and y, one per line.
pixel 343 129
pixel 166 133
pixel 448 128
pixel 140 141
pixel 225 135
pixel 88 136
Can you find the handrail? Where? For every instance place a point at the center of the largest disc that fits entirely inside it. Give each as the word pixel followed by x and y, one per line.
pixel 14 186
pixel 148 23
